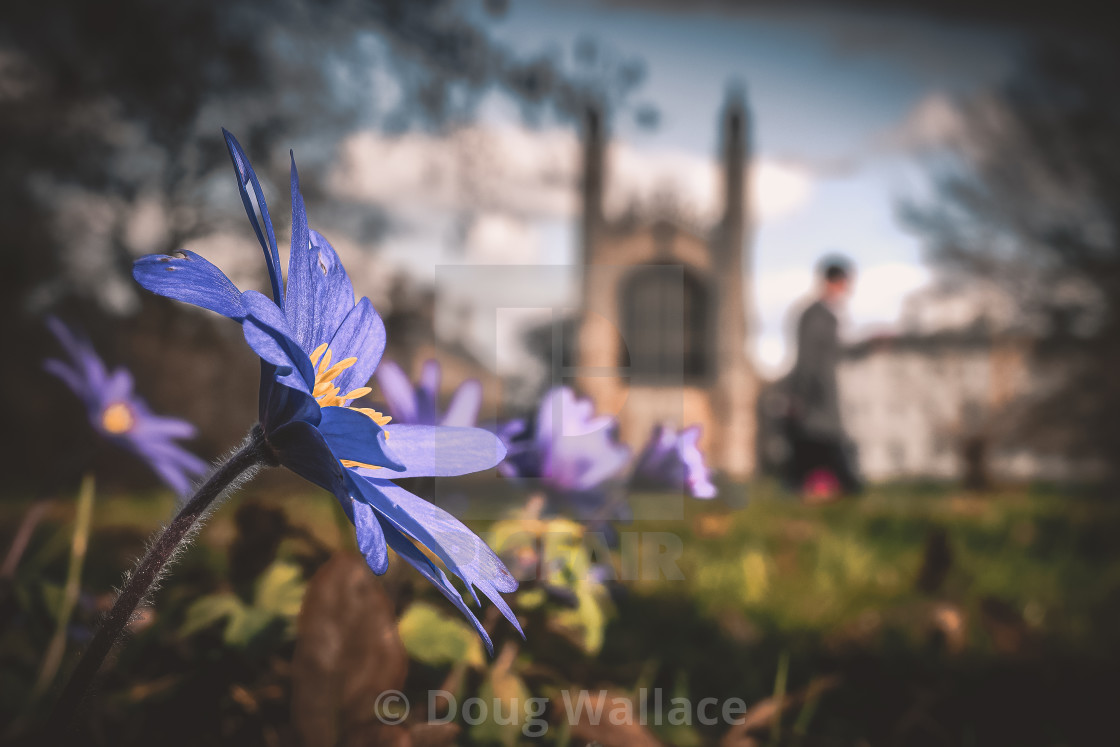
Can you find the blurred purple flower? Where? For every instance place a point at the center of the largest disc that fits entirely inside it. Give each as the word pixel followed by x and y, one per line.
pixel 671 460
pixel 418 406
pixel 120 416
pixel 574 453
pixel 318 349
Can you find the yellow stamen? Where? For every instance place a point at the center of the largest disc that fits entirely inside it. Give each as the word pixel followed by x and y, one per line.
pixel 327 394
pixel 352 463
pixel 117 418
pixel 375 416
pixel 332 373
pixel 323 364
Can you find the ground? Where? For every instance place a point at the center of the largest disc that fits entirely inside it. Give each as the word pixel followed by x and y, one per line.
pixel 912 615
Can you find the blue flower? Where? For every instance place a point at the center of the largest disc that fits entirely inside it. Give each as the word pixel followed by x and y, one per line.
pixel 574 454
pixel 120 416
pixel 671 460
pixel 418 406
pixel 318 348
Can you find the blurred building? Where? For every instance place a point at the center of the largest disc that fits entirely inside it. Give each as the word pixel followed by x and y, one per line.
pixel 948 397
pixel 663 333
pixel 929 405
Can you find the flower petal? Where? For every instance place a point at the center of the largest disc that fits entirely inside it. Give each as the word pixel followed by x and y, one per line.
pixel 150 425
pixel 397 392
pixel 442 451
pixel 118 386
pixel 247 177
pixel 86 363
pixel 320 294
pixel 462 551
pixel 267 332
pixel 190 279
pixel 427 393
pixel 405 548
pixel 353 435
pixel 281 404
pixel 672 460
pixel 464 406
pixel 698 476
pixel 69 377
pixel 300 295
pixel 361 335
pixel 371 538
pixel 303 449
pixel 175 465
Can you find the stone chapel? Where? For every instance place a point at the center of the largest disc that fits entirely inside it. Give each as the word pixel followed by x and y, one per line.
pixel 663 333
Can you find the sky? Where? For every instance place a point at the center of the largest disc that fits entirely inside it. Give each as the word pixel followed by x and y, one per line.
pixel 843 108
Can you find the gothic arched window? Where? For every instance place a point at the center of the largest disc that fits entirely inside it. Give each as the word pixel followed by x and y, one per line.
pixel 665 325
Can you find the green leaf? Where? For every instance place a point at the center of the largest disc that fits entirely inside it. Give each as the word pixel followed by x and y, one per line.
pixel 505 693
pixel 437 640
pixel 276 603
pixel 208 610
pixel 280 590
pixel 586 624
pixel 246 624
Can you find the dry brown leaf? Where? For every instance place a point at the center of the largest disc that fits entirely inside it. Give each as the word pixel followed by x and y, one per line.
pixel 347 653
pixel 762 714
pixel 605 732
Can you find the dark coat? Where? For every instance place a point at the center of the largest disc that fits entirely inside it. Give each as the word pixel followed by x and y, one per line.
pixel 814 395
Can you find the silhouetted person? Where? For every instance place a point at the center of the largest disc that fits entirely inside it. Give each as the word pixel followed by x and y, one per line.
pixel 822 460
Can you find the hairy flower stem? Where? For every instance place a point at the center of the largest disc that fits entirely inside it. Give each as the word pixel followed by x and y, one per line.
pixel 243 463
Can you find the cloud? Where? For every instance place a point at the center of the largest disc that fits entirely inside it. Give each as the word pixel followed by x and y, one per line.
pixel 694 183
pixel 934 121
pixel 499 238
pixel 525 174
pixel 497 193
pixel 508 169
pixel 881 289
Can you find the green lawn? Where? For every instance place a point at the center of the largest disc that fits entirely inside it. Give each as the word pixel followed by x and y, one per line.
pixel 935 617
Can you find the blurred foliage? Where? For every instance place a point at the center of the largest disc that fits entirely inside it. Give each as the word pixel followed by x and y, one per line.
pixel 437 640
pixel 1029 200
pixel 1013 641
pixel 506 694
pixel 275 604
pixel 559 579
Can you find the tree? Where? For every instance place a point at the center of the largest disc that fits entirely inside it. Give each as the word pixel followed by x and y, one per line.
pixel 1030 199
pixel 109 108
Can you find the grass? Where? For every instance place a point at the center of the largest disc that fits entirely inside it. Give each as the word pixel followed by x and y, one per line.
pixel 1051 559
pixel 948 618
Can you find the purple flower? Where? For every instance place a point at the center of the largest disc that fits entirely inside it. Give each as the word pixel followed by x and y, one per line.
pixel 120 416
pixel 572 452
pixel 318 349
pixel 671 460
pixel 418 406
